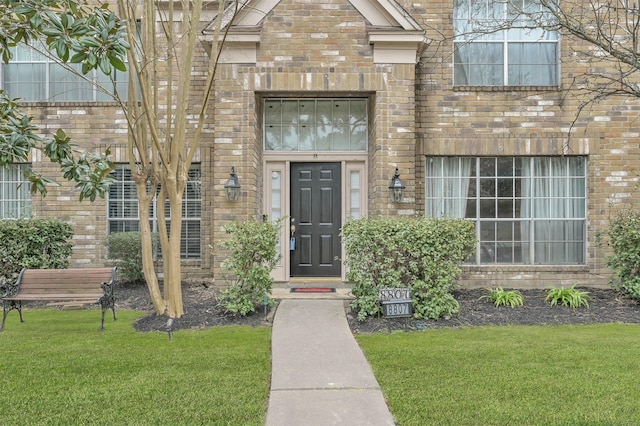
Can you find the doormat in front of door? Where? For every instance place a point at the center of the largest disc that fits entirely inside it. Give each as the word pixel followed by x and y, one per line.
pixel 313 290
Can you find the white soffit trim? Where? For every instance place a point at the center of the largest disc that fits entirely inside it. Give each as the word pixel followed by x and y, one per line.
pixel 396 47
pixel 242 39
pixel 250 13
pixel 396 37
pixel 385 13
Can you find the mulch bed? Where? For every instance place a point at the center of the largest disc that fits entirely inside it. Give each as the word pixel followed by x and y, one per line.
pixel 605 305
pixel 200 305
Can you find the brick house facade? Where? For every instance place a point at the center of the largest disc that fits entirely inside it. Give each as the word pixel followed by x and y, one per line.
pixel 378 58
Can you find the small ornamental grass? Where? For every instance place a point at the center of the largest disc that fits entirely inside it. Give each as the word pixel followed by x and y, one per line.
pixel 502 297
pixel 571 297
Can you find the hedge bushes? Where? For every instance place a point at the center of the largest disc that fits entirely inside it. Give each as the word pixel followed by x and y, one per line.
pixel 624 238
pixel 423 254
pixel 125 252
pixel 252 256
pixel 33 243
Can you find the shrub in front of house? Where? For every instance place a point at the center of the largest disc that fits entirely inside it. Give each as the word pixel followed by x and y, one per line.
pixel 623 236
pixel 33 243
pixel 418 253
pixel 125 251
pixel 252 255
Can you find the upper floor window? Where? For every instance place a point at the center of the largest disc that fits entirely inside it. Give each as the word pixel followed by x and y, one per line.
pixel 123 213
pixel 498 43
pixel 15 196
pixel 315 124
pixel 32 76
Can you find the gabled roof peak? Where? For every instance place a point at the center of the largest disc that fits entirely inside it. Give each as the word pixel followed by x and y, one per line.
pixel 382 14
pixel 396 37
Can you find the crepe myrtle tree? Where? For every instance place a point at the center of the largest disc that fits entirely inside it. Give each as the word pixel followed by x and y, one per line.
pixel 155 43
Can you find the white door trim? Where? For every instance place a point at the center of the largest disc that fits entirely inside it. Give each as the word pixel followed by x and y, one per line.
pixel 276 201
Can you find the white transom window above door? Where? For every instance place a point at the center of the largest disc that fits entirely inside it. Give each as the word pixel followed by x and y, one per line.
pixel 315 124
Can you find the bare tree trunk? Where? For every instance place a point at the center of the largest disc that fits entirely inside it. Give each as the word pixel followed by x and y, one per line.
pixel 170 238
pixel 165 152
pixel 148 268
pixel 172 266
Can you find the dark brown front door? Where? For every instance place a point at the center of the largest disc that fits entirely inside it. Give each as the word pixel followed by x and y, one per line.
pixel 316 213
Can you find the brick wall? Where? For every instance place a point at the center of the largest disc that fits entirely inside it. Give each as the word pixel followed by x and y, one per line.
pixel 321 49
pixel 95 127
pixel 315 49
pixel 484 121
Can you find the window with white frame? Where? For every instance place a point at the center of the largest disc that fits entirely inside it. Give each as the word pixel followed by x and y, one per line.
pixel 315 124
pixel 123 209
pixel 499 43
pixel 527 210
pixel 32 76
pixel 15 194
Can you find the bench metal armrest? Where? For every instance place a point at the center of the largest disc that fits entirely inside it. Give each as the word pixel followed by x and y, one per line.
pixel 10 289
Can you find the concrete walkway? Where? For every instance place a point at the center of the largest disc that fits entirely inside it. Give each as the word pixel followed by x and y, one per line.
pixel 319 374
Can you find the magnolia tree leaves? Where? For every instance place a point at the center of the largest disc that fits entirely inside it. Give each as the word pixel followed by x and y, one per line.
pixel 75 33
pixel 90 172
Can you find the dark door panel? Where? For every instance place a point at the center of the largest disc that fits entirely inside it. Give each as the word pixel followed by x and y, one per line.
pixel 316 213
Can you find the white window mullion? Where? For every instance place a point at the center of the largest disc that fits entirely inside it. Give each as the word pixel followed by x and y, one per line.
pixel 47 80
pixel 532 251
pixel 505 67
pixel 477 203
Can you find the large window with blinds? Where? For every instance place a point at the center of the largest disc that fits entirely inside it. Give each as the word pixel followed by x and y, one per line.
pixel 32 76
pixel 123 213
pixel 15 194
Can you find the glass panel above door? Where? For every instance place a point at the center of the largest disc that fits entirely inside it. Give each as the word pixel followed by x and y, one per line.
pixel 315 124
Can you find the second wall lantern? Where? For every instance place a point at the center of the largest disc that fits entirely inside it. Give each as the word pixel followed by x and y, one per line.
pixel 232 187
pixel 396 189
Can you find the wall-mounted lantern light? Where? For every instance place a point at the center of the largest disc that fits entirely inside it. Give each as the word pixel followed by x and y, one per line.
pixel 232 187
pixel 396 189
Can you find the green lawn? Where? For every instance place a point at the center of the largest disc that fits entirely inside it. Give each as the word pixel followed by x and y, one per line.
pixel 517 375
pixel 58 369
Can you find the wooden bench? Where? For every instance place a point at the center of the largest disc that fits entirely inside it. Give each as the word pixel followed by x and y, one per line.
pixel 64 286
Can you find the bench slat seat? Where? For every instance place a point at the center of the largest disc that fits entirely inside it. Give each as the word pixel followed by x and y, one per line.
pixel 54 297
pixel 77 286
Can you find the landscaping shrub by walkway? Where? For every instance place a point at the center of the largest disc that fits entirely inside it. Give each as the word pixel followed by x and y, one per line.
pixel 423 254
pixel 623 236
